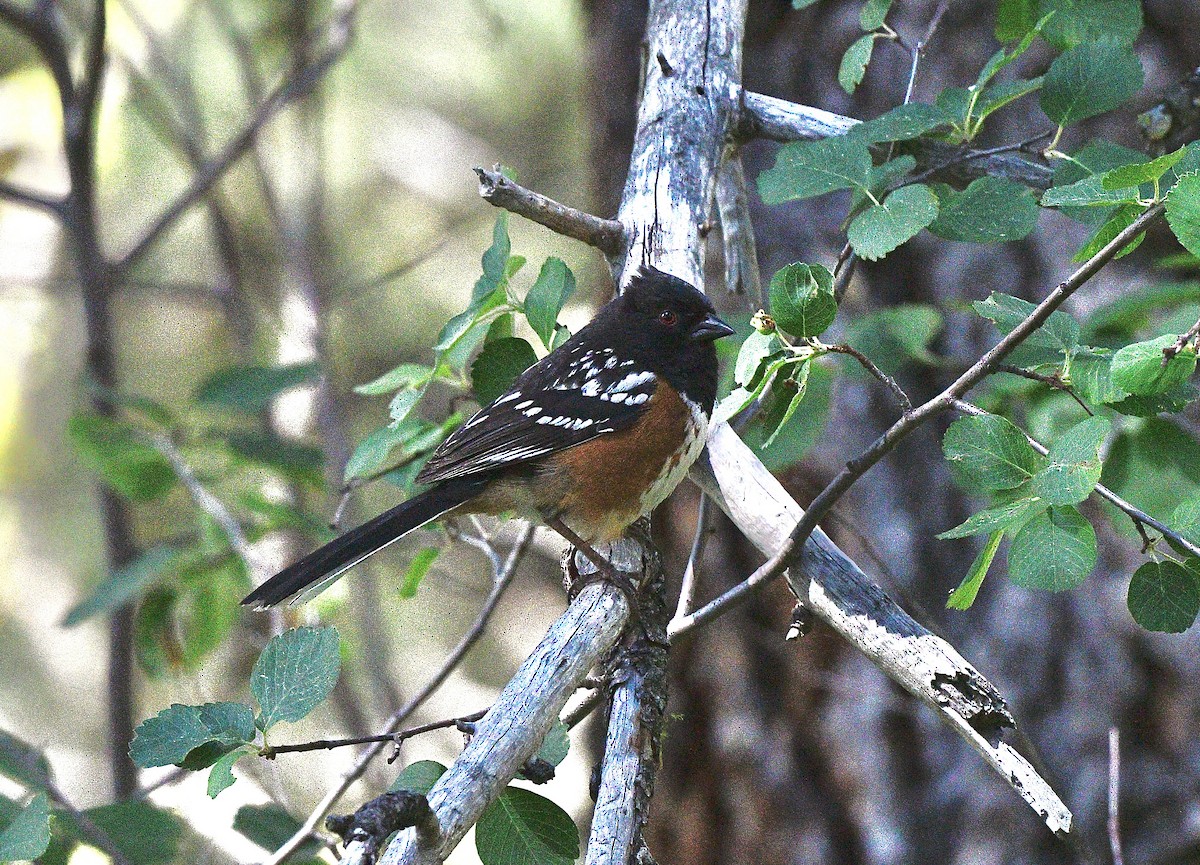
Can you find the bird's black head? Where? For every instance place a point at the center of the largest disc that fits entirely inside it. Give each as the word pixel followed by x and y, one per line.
pixel 670 326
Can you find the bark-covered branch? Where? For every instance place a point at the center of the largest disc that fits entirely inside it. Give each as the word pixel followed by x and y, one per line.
pixel 632 743
pixel 607 235
pixel 524 712
pixel 501 580
pixel 780 120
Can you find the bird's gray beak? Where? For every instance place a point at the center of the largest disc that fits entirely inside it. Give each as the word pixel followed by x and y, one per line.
pixel 712 328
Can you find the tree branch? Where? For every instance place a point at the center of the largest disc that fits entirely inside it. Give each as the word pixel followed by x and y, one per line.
pixel 524 712
pixel 692 105
pixel 882 446
pixel 607 235
pixel 632 745
pixel 780 120
pixel 1140 518
pixel 272 751
pixel 501 582
pixel 841 595
pixel 741 257
pixel 30 198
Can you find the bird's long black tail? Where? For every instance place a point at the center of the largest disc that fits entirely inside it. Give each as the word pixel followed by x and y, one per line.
pixel 316 571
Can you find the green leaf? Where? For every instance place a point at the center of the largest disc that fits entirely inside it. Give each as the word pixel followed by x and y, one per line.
pixel 990 210
pixel 1089 79
pixel 220 777
pixel 1131 312
pixel 1139 368
pixel 1164 597
pixel 253 388
pixel 880 229
pixel 964 596
pixel 802 300
pixel 418 777
pixel 145 834
pixel 804 169
pixel 901 123
pixel 28 835
pixel 757 347
pixel 791 438
pixel 1183 211
pixel 1091 378
pixel 22 762
pixel 406 375
pixel 127 463
pixel 854 62
pixel 554 286
pixel 895 334
pixel 1077 21
pixel 1060 332
pixel 760 376
pixel 1055 550
pixel 1171 402
pixel 495 261
pixel 1142 172
pixel 174 733
pixel 801 4
pixel 489 291
pixel 1154 465
pixel 294 674
pixel 1074 464
pixel 1124 217
pixel 522 827
pixel 403 403
pixel 1000 518
pixel 1015 18
pixel 498 366
pixel 270 827
pixel 793 389
pixel 123 585
pixel 417 569
pixel 297 462
pixel 987 452
pixel 556 745
pixel 1088 192
pixel 414 436
pixel 873 14
pixel 998 95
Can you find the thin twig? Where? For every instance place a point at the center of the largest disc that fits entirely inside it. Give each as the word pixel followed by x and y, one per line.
pixel 869 366
pixel 843 272
pixel 1140 518
pixel 1170 351
pixel 1114 794
pixel 30 198
pixel 272 751
pixel 687 589
pixel 607 235
pixel 884 445
pixel 1053 381
pixel 965 155
pixel 500 583
pixel 919 52
pixel 296 86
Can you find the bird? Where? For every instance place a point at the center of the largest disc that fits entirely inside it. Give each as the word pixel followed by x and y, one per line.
pixel 589 439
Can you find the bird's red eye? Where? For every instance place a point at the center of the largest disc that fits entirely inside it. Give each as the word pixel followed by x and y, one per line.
pixel 668 318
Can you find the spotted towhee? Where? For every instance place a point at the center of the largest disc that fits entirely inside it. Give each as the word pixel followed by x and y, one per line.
pixel 590 438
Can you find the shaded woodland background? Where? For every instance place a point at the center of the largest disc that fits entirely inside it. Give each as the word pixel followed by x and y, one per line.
pixel 353 231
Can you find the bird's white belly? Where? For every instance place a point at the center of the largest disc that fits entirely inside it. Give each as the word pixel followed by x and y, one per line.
pixel 675 470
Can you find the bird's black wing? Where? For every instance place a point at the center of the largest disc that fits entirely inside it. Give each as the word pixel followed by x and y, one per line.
pixel 571 396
